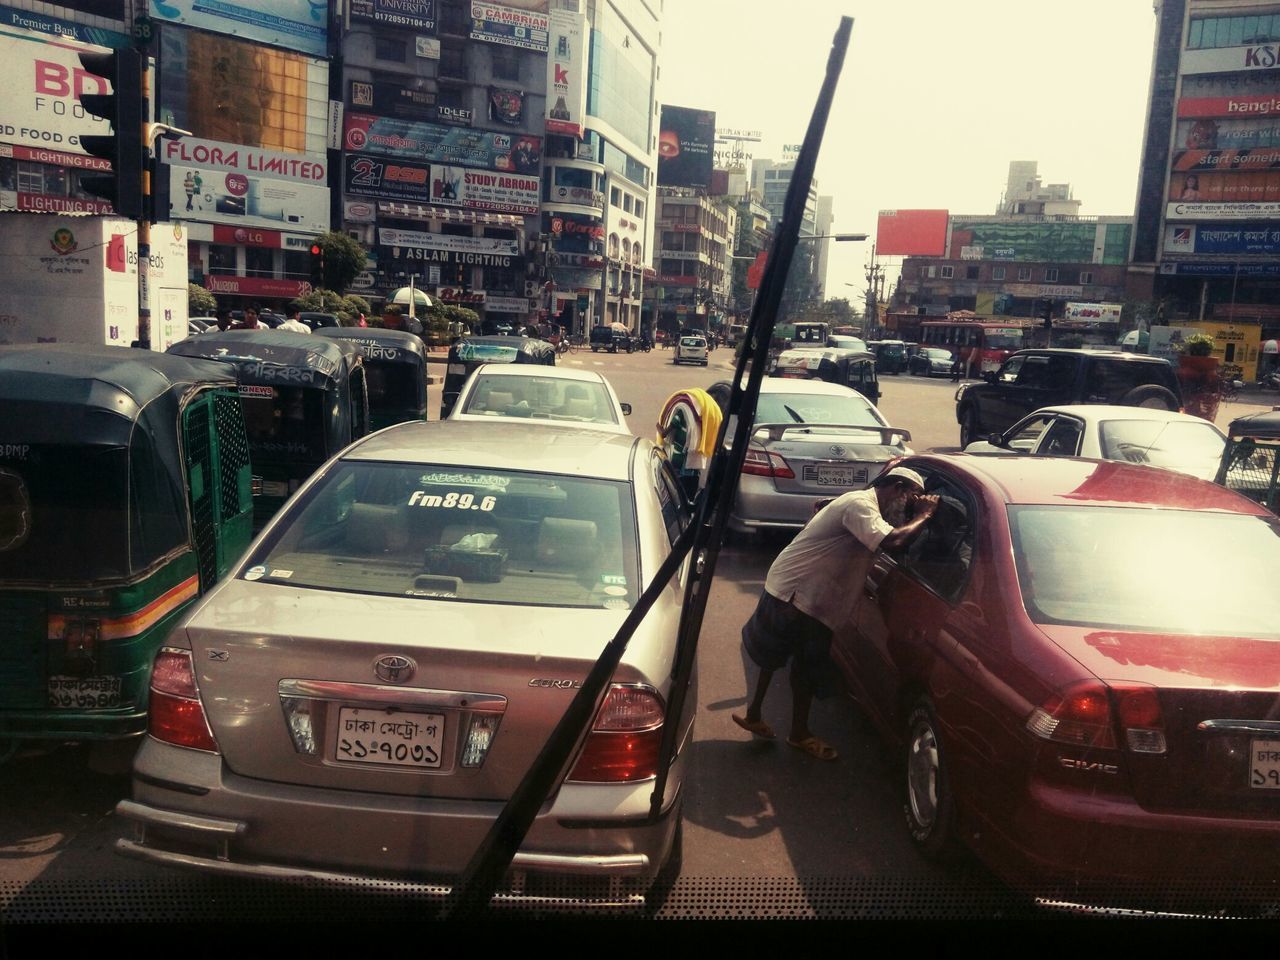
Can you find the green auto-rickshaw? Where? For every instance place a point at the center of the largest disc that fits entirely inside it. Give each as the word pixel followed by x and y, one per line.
pixel 304 399
pixel 1251 458
pixel 124 495
pixel 395 366
pixel 468 353
pixel 849 368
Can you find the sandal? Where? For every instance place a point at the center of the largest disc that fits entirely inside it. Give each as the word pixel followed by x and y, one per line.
pixel 815 748
pixel 757 727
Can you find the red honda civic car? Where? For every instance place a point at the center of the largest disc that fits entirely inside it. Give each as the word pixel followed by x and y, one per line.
pixel 1080 663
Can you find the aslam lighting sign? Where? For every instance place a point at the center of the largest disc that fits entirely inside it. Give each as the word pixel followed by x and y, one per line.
pixel 527 29
pixel 567 73
pixel 436 143
pixel 411 14
pixel 43 81
pixel 300 25
pixel 908 233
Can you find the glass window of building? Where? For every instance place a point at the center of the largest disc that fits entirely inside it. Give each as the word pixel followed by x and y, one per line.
pixel 639 208
pixel 222 258
pixel 997 273
pixel 1086 276
pixel 297 263
pixel 1050 274
pixel 620 86
pixel 1024 273
pixel 453 18
pixel 391 48
pixel 505 64
pixel 615 197
pixel 259 262
pixel 449 97
pixel 626 202
pixel 452 61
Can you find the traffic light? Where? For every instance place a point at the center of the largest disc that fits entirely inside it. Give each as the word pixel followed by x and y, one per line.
pixel 317 266
pixel 1046 314
pixel 122 108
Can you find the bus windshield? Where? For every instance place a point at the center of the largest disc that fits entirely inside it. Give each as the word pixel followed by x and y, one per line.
pixel 1004 338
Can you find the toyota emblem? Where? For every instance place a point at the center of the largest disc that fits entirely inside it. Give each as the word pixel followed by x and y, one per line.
pixel 836 450
pixel 394 668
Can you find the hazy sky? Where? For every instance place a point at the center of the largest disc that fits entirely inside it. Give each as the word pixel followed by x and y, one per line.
pixel 935 99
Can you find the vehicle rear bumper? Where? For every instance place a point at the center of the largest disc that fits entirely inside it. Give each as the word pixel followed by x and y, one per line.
pixel 761 506
pixel 190 811
pixel 1060 834
pixel 72 725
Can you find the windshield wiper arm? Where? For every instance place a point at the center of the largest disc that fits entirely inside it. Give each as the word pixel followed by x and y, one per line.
pixel 794 416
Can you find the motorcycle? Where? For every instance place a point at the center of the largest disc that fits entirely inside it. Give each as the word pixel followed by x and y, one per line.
pixel 646 344
pixel 1270 381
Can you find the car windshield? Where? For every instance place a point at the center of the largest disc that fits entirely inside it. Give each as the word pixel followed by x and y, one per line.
pixel 1163 443
pixel 816 408
pixel 458 534
pixel 1004 339
pixel 1102 567
pixel 540 398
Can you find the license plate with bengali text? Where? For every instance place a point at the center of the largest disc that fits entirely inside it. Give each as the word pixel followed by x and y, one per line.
pixel 841 476
pixel 1264 764
pixel 84 693
pixel 397 737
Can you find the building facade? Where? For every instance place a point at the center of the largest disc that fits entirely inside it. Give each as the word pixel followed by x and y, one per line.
pixel 1206 242
pixel 696 239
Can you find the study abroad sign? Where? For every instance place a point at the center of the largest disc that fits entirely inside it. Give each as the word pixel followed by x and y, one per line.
pixel 442 185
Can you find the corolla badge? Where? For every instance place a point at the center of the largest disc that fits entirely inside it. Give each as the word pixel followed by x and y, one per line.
pixel 837 450
pixel 394 668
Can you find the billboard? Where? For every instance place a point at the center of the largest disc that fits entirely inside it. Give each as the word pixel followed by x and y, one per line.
pixel 1093 312
pixel 686 147
pixel 245 186
pixel 567 73
pixel 43 81
pixel 456 146
pixel 496 23
pixel 1045 242
pixel 1257 186
pixel 1235 135
pixel 300 25
pixel 911 233
pixel 506 106
pixel 1254 56
pixel 1250 238
pixel 422 247
pixel 441 185
pixel 409 14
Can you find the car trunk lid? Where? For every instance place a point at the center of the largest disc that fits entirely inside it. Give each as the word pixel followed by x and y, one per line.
pixel 829 458
pixel 1220 711
pixel 329 701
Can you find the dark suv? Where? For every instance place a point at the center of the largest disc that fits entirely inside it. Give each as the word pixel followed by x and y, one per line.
pixel 1031 379
pixel 608 338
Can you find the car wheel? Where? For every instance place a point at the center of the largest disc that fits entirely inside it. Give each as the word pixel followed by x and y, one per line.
pixel 968 427
pixel 1150 395
pixel 929 807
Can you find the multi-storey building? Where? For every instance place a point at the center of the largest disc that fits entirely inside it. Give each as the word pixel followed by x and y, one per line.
pixel 694 259
pixel 1207 226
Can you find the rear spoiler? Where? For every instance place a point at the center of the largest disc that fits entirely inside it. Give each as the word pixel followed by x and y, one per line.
pixel 776 430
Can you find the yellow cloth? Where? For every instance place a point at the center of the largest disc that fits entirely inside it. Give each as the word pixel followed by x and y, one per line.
pixel 702 415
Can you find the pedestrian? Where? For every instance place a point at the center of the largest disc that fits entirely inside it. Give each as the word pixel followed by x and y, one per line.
pixel 956 367
pixel 250 321
pixel 362 322
pixel 294 324
pixel 224 319
pixel 813 588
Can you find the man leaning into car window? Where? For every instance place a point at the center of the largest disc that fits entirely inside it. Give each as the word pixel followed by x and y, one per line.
pixel 815 584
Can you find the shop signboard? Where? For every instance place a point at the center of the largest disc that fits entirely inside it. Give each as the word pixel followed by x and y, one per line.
pixel 256 287
pixel 495 304
pixel 435 143
pixel 245 186
pixel 1093 312
pixel 1247 238
pixel 43 81
pixel 422 247
pixel 1195 210
pixel 1219 268
pixel 393 100
pixel 1230 134
pixel 441 185
pixel 567 73
pixel 496 23
pixel 405 14
pixel 1247 57
pixel 60 29
pixel 300 25
pixel 908 233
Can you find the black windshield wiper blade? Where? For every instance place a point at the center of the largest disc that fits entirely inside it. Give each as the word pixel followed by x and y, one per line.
pixel 794 416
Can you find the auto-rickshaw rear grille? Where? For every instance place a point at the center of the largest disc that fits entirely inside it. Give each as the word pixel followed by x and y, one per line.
pixel 23 626
pixel 202 514
pixel 233 452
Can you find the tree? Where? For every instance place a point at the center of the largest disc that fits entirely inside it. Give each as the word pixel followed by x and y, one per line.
pixel 200 302
pixel 344 259
pixel 347 309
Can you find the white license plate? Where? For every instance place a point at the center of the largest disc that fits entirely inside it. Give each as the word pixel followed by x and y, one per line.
pixel 398 738
pixel 84 693
pixel 1264 764
pixel 841 476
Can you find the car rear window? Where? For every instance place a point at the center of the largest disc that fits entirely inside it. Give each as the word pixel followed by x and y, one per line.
pixel 1113 379
pixel 1176 444
pixel 1122 568
pixel 458 534
pixel 540 398
pixel 816 408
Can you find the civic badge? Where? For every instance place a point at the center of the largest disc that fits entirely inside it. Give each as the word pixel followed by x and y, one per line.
pixel 836 450
pixel 394 668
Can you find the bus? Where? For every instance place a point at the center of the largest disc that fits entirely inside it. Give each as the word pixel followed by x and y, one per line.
pixel 980 344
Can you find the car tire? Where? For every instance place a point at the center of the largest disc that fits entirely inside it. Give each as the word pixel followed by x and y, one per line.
pixel 928 806
pixel 1150 395
pixel 968 427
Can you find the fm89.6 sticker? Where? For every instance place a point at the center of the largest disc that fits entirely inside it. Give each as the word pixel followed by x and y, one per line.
pixel 453 500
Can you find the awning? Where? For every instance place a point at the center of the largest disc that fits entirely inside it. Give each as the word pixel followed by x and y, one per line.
pixel 1271 346
pixel 418 211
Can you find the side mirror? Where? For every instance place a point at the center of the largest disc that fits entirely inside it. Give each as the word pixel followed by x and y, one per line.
pixel 995 440
pixel 989 376
pixel 626 409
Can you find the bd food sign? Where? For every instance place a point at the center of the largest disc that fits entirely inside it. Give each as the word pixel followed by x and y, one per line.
pixel 43 81
pixel 442 185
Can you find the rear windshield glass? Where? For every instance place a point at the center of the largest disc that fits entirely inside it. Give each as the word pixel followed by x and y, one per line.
pixel 486 353
pixel 1110 567
pixel 458 534
pixel 284 423
pixel 1188 447
pixel 540 398
pixel 815 408
pixel 393 386
pixel 693 342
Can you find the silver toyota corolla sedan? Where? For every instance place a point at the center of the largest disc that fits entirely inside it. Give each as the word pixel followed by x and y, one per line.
pixel 811 440
pixel 361 697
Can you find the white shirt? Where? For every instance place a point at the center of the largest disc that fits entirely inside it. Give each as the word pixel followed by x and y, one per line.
pixel 294 326
pixel 822 570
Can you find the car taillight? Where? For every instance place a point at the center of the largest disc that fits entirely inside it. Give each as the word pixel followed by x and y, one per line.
pixel 176 713
pixel 625 739
pixel 760 463
pixel 1084 714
